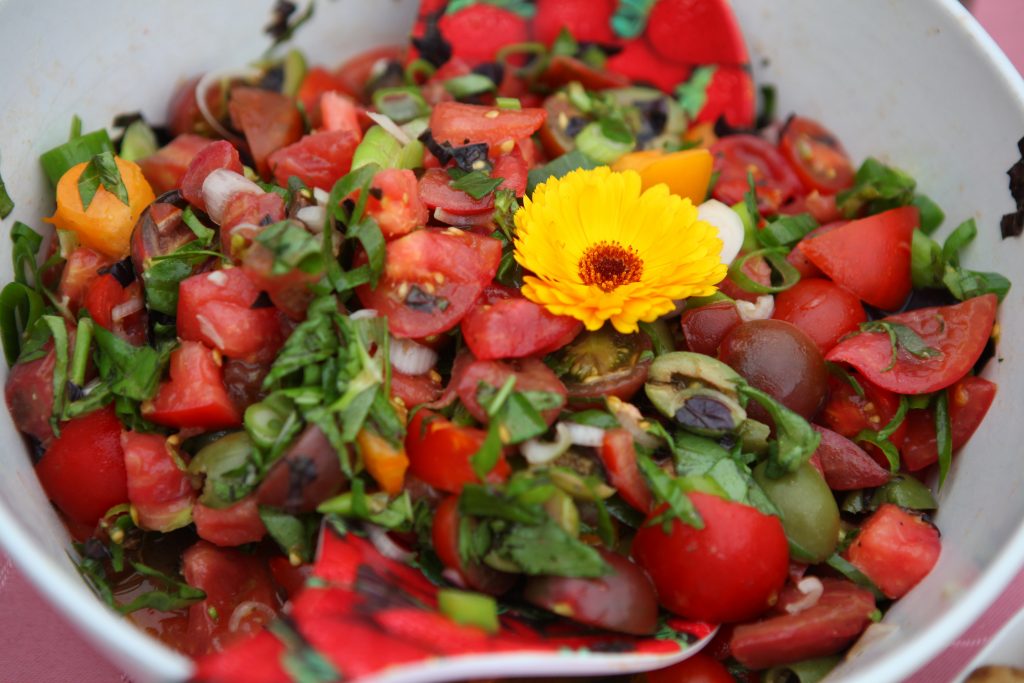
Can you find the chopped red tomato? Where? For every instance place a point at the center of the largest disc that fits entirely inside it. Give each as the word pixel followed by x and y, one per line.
pixel 895 548
pixel 234 525
pixel 317 82
pixel 165 168
pixel 83 471
pixel 216 308
pixel 431 279
pixel 531 375
pixel 841 614
pixel 732 569
pixel 700 668
pixel 355 73
pixel 29 394
pixel 243 215
pixel 822 309
pixel 107 302
pixel 214 157
pixel 159 488
pixel 563 69
pixel 269 121
pixel 705 327
pixel 462 124
pixel 318 160
pixel 195 395
pixel 955 334
pixel 435 191
pixel 440 451
pixel 845 465
pixel 618 455
pixel 847 412
pixel 504 324
pixel 775 183
pixel 445 536
pixel 414 390
pixel 339 113
pixel 395 204
pixel 817 156
pixel 869 257
pixel 80 271
pixel 513 170
pixel 232 581
pixel 969 401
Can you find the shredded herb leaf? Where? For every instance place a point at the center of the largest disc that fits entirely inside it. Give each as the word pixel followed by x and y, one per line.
pixel 101 171
pixel 477 184
pixel 795 440
pixel 6 203
pixel 901 337
pixel 876 188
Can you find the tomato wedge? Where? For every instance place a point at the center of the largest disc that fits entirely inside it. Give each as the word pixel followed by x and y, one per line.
pixel 618 455
pixel 845 465
pixel 461 124
pixel 504 324
pixel 775 183
pixel 841 614
pixel 969 401
pixel 958 333
pixel 269 121
pixel 895 549
pixel 435 191
pixel 816 155
pixel 439 452
pixel 869 257
pixel 531 375
pixel 195 395
pixel 159 488
pixel 431 279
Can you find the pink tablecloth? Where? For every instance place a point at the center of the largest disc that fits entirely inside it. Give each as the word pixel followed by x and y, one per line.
pixel 36 646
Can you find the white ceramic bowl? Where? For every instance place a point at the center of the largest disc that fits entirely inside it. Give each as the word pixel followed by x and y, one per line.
pixel 914 82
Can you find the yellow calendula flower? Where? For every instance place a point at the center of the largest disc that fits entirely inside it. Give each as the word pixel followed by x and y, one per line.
pixel 600 249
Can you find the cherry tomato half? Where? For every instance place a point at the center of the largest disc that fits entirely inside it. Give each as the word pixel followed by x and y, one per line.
pixel 775 182
pixel 816 155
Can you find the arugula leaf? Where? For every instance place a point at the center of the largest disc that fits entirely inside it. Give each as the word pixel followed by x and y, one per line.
pixel 666 490
pixel 558 167
pixel 163 274
pixel 900 337
pixel 293 247
pixel 296 536
pixel 546 549
pixel 477 184
pixel 796 440
pixel 876 188
pixel 101 171
pixel 176 593
pixel 6 203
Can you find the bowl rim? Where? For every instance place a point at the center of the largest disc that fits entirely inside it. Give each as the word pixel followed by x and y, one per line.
pixel 75 601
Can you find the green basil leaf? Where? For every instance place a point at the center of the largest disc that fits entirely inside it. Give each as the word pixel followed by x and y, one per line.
pixel 477 184
pixel 943 435
pixel 876 188
pixel 296 536
pixel 204 234
pixel 785 231
pixel 666 490
pixel 176 594
pixel 80 148
pixel 101 171
pixel 293 248
pixel 901 337
pixel 559 167
pixel 796 439
pixel 931 214
pixel 546 549
pixel 162 275
pixel 368 234
pixel 892 454
pixel 843 566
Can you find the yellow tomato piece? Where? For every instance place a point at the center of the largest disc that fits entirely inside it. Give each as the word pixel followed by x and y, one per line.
pixel 107 225
pixel 385 463
pixel 687 173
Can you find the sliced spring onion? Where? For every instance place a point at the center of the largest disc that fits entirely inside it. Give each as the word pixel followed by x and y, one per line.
pixel 57 161
pixel 776 257
pixel 294 72
pixel 411 358
pixel 604 142
pixel 139 141
pixel 943 435
pixel 539 452
pixel 469 609
pixel 402 105
pixel 390 126
pixel 20 307
pixel 419 68
pixel 508 103
pixel 762 309
pixel 220 186
pixel 469 85
pixel 786 230
pixel 729 224
pixel 378 147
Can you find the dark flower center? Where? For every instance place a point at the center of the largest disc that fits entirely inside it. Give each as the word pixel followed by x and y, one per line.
pixel 609 265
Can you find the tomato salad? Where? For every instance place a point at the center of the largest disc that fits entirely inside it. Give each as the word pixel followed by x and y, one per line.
pixel 317 305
